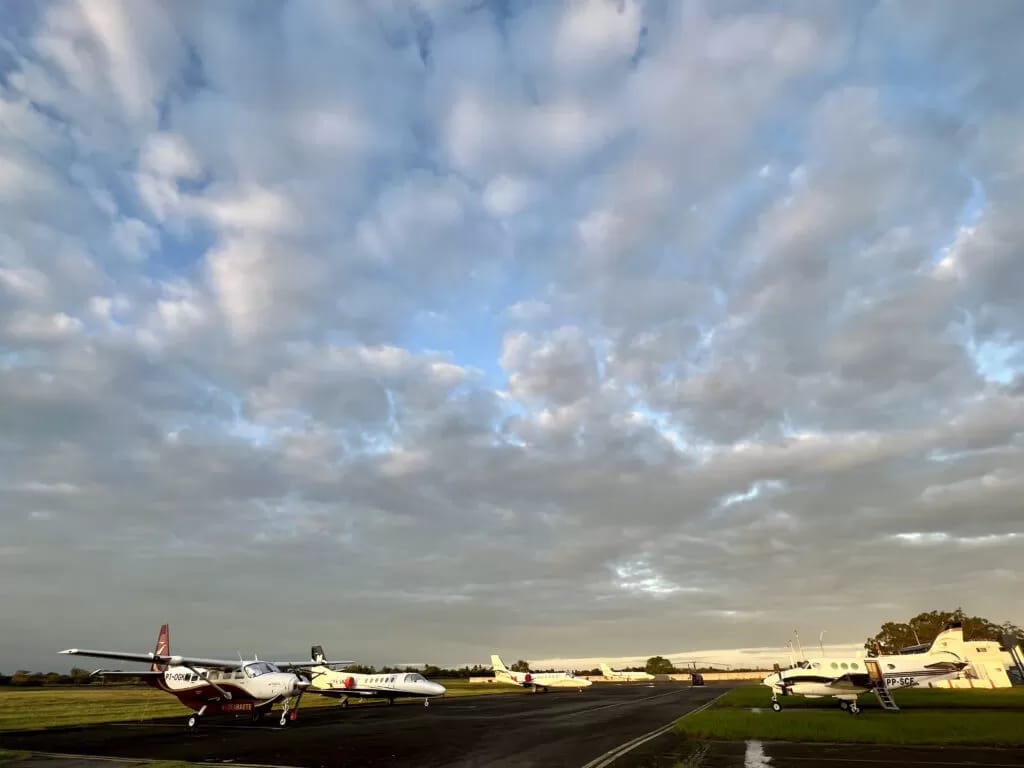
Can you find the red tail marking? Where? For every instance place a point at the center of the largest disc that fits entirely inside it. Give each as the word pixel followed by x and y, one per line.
pixel 163 647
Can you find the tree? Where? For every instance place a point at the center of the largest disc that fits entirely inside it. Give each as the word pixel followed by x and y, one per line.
pixel 520 666
pixel 659 665
pixel 924 627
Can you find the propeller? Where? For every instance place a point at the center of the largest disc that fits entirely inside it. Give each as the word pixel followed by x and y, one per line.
pixel 782 685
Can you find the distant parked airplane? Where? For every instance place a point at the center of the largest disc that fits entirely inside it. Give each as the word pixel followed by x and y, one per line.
pixel 847 678
pixel 623 675
pixel 391 685
pixel 212 686
pixel 539 681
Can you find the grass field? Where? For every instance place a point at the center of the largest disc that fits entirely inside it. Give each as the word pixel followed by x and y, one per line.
pixel 927 716
pixel 25 708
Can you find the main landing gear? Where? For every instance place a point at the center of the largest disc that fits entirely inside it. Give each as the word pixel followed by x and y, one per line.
pixel 776 705
pixel 193 720
pixel 426 702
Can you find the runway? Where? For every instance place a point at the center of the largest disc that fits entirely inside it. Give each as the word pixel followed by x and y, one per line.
pixel 562 729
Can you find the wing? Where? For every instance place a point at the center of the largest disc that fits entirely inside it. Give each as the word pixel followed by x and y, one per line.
pixel 290 665
pixel 143 673
pixel 153 658
pixel 851 681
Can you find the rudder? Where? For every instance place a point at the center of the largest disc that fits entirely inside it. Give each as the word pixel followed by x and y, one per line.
pixel 163 648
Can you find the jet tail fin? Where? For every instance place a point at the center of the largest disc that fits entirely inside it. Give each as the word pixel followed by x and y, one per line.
pixel 949 640
pixel 497 664
pixel 607 671
pixel 316 653
pixel 163 648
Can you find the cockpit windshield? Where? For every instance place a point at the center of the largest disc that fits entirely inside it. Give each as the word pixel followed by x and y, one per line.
pixel 259 668
pixel 414 678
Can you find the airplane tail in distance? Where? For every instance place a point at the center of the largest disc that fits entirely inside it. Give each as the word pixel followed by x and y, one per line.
pixel 163 648
pixel 497 665
pixel 316 653
pixel 606 670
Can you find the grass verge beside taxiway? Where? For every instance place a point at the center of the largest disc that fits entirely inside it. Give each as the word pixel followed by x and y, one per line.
pixel 24 709
pixel 928 716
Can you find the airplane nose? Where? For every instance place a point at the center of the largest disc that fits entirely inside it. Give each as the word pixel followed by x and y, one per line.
pixel 436 689
pixel 771 680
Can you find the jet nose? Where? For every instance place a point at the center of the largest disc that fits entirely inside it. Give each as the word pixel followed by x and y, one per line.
pixel 436 689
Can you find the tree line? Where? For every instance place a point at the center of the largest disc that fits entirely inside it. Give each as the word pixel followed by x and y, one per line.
pixel 923 628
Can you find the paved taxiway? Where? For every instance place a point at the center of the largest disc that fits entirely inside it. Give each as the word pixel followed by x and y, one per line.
pixel 560 728
pixel 667 753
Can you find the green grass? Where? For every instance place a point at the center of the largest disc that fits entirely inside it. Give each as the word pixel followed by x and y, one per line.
pixel 929 716
pixel 912 698
pixel 23 709
pixel 7 755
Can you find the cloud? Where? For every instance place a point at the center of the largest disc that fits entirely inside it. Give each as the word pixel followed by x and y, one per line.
pixel 556 328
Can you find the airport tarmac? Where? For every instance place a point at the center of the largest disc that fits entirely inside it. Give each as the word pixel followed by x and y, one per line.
pixel 667 753
pixel 559 729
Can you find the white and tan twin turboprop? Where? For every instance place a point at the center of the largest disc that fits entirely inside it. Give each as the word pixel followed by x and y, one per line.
pixel 846 679
pixel 538 681
pixel 339 684
pixel 216 686
pixel 624 675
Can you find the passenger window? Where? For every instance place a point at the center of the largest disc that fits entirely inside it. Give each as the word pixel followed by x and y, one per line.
pixel 834 665
pixel 843 665
pixel 891 666
pixel 853 665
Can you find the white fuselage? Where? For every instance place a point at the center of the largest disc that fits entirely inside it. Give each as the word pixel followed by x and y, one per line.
pixel 623 676
pixel 541 679
pixel 258 681
pixel 389 685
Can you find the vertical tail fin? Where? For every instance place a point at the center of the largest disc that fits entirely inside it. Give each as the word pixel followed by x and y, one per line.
pixel 951 638
pixel 316 653
pixel 163 648
pixel 607 671
pixel 497 665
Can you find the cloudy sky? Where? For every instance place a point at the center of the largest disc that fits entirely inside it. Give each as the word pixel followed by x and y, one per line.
pixel 423 329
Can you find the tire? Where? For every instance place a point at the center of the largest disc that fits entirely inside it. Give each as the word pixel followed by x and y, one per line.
pixel 192 722
pixel 776 707
pixel 854 709
pixel 844 705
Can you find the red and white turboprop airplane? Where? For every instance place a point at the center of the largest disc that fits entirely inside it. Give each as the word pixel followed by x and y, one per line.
pixel 215 686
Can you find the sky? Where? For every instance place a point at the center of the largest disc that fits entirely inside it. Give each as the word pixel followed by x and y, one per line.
pixel 428 329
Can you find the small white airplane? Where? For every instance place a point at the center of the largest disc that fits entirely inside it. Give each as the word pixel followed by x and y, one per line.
pixel 215 686
pixel 623 675
pixel 846 679
pixel 343 685
pixel 539 681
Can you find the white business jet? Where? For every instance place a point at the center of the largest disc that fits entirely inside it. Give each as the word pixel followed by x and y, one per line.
pixel 846 679
pixel 624 675
pixel 539 681
pixel 343 685
pixel 215 686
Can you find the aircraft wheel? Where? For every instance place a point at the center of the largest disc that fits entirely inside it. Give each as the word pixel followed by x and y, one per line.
pixel 426 702
pixel 192 722
pixel 844 705
pixel 284 719
pixel 776 707
pixel 854 708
